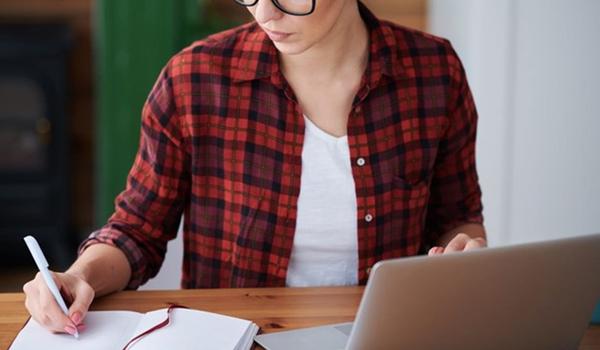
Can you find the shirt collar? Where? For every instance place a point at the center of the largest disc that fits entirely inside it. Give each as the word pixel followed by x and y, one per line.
pixel 258 57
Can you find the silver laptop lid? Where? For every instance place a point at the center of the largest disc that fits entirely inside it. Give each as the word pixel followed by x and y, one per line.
pixel 532 296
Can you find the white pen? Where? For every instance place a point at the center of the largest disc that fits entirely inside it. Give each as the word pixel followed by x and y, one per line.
pixel 42 264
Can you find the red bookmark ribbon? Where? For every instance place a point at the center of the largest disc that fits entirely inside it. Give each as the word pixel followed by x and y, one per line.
pixel 158 326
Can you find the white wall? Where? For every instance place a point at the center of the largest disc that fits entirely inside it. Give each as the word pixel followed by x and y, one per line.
pixel 534 67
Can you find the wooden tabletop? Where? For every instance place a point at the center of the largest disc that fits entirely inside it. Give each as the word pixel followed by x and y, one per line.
pixel 272 309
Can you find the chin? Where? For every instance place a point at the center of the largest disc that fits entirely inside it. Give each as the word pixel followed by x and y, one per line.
pixel 295 48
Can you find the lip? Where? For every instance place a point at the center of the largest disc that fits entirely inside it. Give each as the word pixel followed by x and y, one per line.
pixel 277 36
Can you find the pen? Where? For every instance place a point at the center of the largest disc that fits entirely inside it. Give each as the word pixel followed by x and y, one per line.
pixel 42 265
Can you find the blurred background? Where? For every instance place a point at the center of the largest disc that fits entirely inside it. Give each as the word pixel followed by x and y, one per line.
pixel 75 73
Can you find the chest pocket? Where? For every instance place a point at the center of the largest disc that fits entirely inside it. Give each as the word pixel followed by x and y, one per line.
pixel 402 231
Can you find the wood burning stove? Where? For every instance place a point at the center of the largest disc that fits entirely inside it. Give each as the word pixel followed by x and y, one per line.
pixel 34 176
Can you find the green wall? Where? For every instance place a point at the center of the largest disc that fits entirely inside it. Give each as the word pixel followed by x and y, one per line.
pixel 134 40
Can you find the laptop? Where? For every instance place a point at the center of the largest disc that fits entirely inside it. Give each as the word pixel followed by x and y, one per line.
pixel 529 296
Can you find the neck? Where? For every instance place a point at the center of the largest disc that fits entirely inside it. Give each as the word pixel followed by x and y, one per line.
pixel 344 50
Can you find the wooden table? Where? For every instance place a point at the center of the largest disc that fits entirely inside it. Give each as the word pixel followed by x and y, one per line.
pixel 272 309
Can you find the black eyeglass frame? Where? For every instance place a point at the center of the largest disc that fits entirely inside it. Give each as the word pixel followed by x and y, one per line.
pixel 281 8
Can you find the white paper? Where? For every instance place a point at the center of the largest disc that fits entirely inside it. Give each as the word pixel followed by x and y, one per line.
pixel 191 329
pixel 188 329
pixel 104 330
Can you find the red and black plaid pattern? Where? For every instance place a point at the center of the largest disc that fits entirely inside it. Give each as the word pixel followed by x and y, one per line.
pixel 221 143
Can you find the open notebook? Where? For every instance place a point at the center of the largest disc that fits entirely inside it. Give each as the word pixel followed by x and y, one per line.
pixel 188 329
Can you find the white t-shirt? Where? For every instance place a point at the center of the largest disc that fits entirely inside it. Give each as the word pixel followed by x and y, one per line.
pixel 325 250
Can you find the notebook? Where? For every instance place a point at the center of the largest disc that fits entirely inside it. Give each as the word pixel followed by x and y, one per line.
pixel 187 329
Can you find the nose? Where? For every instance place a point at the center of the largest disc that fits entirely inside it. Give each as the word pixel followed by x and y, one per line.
pixel 266 11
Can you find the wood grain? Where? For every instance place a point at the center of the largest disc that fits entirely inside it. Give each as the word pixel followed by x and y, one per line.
pixel 410 13
pixel 273 309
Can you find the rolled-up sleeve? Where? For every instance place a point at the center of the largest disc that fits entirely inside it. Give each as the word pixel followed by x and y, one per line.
pixel 148 211
pixel 455 197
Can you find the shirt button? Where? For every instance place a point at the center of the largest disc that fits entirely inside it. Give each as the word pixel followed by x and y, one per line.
pixel 360 161
pixel 368 218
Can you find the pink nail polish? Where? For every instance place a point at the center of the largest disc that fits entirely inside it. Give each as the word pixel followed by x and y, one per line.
pixel 76 318
pixel 70 330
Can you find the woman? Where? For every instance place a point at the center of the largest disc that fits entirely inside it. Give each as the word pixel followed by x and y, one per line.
pixel 301 149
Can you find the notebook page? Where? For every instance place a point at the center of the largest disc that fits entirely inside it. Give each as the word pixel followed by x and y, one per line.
pixel 104 330
pixel 190 329
pixel 248 339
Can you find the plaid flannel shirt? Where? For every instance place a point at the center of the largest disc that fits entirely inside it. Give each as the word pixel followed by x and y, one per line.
pixel 221 143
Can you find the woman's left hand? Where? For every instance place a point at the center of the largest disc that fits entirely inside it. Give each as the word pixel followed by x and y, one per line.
pixel 461 242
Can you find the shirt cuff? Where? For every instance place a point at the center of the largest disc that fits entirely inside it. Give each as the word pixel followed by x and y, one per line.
pixel 127 245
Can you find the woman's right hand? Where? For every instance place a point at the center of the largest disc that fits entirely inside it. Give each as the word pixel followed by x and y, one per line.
pixel 42 306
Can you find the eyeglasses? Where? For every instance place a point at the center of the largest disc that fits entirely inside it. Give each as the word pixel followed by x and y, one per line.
pixel 291 7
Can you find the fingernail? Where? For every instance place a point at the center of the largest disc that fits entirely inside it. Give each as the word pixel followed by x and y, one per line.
pixel 76 317
pixel 71 330
pixel 81 327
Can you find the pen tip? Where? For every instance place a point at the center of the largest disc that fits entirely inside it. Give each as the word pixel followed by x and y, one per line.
pixel 76 335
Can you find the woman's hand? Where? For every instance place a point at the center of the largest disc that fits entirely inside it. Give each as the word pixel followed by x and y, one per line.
pixel 461 242
pixel 42 306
